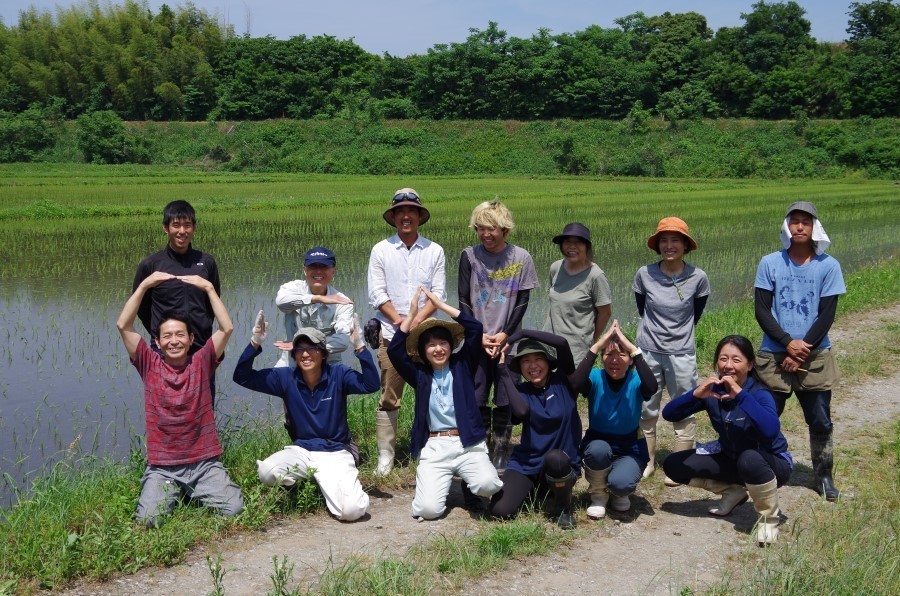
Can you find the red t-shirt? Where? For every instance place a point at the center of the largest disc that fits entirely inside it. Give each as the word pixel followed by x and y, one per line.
pixel 181 428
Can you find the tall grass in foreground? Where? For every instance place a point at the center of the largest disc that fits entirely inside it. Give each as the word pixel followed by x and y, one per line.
pixel 850 548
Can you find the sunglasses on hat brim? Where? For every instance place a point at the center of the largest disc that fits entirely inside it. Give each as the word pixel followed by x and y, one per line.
pixel 406 196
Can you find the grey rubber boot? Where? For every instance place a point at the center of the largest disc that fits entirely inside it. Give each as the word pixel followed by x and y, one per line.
pixel 821 448
pixel 732 494
pixel 685 432
pixel 648 429
pixel 386 436
pixel 765 501
pixel 597 489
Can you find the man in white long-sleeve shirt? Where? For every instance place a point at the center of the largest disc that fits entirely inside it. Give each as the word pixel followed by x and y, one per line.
pixel 397 267
pixel 313 302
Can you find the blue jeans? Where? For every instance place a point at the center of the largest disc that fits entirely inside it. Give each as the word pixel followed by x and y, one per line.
pixel 626 470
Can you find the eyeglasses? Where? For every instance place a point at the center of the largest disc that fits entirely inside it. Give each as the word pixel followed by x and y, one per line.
pixel 308 349
pixel 406 196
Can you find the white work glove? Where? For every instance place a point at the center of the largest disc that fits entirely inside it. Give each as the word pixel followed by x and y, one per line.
pixel 356 335
pixel 260 326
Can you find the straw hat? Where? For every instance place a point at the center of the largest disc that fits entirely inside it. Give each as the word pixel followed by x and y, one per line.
pixel 457 332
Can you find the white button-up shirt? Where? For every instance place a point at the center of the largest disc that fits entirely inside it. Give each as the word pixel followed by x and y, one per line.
pixel 395 272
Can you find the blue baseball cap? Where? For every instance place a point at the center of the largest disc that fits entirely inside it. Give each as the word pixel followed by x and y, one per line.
pixel 319 256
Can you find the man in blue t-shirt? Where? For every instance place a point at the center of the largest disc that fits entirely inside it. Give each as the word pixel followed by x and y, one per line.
pixel 796 298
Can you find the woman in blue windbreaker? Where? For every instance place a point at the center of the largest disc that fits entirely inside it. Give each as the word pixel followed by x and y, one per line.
pixel 751 455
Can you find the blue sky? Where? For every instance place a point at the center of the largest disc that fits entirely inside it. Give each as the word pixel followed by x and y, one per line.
pixel 403 27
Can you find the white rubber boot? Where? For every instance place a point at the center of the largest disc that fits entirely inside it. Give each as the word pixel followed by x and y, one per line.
pixel 732 494
pixel 386 435
pixel 597 489
pixel 765 501
pixel 648 429
pixel 685 432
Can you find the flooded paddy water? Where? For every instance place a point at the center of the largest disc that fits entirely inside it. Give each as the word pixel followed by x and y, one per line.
pixel 72 239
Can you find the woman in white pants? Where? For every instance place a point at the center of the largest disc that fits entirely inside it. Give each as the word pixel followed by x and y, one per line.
pixel 315 397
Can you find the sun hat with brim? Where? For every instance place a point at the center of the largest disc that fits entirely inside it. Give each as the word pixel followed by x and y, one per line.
pixel 805 207
pixel 574 230
pixel 312 335
pixel 406 197
pixel 457 332
pixel 670 224
pixel 531 346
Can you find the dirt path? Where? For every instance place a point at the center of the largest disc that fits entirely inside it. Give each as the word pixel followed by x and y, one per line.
pixel 665 542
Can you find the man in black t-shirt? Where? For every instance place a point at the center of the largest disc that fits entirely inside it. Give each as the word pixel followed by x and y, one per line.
pixel 179 258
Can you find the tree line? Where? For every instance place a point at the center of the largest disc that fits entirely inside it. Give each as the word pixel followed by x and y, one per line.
pixel 181 64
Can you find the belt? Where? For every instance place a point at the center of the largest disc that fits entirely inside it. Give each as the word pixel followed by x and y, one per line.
pixel 445 433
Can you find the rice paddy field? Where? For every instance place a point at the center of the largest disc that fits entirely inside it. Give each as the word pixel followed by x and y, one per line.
pixel 73 236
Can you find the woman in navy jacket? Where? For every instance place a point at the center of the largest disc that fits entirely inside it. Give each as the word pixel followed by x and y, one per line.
pixel 751 455
pixel 438 359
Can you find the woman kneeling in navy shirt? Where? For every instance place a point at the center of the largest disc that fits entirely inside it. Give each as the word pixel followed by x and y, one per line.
pixel 751 455
pixel 547 455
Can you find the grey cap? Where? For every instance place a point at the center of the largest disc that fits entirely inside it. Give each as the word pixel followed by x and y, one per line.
pixel 531 346
pixel 313 336
pixel 805 207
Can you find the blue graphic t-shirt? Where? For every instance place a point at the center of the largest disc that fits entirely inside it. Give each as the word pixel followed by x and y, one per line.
pixel 797 290
pixel 496 281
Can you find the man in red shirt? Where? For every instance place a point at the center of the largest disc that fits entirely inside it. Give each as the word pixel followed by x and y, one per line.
pixel 182 442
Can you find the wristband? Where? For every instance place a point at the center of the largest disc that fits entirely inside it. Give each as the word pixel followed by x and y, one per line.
pixel 637 352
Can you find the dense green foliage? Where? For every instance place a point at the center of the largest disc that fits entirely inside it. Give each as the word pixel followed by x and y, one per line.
pixel 636 146
pixel 181 64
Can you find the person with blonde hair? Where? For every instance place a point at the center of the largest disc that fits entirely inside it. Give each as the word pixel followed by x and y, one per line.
pixel 495 280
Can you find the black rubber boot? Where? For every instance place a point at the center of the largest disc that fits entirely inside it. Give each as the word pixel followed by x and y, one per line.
pixel 502 446
pixel 562 495
pixel 821 448
pixel 473 502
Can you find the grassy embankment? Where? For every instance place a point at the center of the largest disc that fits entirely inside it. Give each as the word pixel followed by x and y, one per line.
pixel 702 149
pixel 78 520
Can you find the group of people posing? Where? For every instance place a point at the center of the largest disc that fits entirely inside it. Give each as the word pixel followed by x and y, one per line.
pixel 475 372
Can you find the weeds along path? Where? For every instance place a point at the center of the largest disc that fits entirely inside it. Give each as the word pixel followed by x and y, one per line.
pixel 666 542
